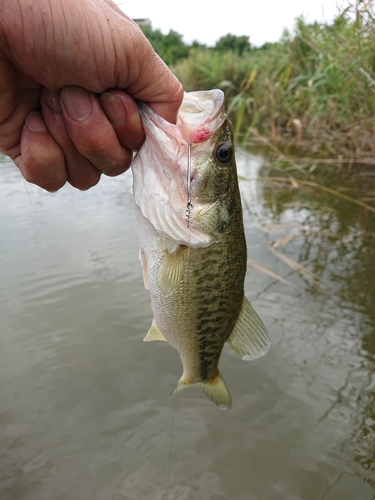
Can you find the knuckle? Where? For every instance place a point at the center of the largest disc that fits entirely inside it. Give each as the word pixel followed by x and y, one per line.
pixel 83 184
pixel 113 163
pixel 114 170
pixel 94 148
pixel 49 181
pixel 46 170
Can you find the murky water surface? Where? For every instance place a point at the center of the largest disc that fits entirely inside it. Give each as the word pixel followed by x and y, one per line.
pixel 85 410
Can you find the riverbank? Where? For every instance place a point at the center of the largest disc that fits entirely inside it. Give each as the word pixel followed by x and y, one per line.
pixel 313 91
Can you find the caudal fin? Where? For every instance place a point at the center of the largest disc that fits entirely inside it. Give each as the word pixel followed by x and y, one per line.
pixel 215 389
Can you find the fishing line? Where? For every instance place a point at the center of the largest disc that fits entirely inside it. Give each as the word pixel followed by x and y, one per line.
pixel 124 458
pixel 171 444
pixel 189 205
pixel 189 208
pixel 59 274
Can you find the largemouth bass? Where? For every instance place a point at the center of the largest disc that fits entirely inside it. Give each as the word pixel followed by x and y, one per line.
pixel 192 242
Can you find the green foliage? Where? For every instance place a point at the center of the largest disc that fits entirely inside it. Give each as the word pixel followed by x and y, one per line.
pixel 170 47
pixel 205 69
pixel 321 76
pixel 237 44
pixel 318 80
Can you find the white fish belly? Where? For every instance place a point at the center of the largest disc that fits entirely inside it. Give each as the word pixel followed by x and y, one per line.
pixel 196 304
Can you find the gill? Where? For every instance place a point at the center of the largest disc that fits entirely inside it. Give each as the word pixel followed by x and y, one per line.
pixel 189 208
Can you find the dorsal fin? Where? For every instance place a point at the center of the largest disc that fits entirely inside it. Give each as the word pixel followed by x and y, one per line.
pixel 249 338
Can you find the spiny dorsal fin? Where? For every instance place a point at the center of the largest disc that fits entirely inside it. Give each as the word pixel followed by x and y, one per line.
pixel 215 389
pixel 249 338
pixel 171 271
pixel 154 333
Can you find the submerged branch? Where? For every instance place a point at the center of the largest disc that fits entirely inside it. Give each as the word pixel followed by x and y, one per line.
pixel 295 183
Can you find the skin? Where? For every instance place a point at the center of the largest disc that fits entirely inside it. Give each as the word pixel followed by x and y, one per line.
pixel 70 74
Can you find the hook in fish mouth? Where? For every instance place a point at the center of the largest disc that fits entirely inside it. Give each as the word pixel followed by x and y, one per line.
pixel 188 213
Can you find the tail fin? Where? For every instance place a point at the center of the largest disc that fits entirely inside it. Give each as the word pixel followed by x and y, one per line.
pixel 215 389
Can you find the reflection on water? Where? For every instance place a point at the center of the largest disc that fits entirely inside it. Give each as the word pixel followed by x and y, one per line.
pixel 85 410
pixel 337 241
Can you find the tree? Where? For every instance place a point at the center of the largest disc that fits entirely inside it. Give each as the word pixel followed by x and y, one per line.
pixel 237 44
pixel 169 47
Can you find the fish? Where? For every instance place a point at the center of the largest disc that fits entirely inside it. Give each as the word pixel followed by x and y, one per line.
pixel 192 244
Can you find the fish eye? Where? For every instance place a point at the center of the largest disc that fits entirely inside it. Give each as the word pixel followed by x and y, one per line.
pixel 224 153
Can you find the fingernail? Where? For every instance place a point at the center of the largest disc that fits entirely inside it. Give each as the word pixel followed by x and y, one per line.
pixel 77 103
pixel 113 108
pixel 52 100
pixel 34 123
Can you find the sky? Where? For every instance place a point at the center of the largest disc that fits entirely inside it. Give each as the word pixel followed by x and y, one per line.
pixel 208 20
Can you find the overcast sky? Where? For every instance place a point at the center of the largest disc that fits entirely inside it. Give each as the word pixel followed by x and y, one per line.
pixel 208 20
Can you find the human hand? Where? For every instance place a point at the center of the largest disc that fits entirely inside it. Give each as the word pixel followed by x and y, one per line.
pixel 55 60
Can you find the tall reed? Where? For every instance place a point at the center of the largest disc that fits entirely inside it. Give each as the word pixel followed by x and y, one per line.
pixel 318 81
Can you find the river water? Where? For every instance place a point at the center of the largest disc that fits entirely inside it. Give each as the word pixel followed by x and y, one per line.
pixel 85 405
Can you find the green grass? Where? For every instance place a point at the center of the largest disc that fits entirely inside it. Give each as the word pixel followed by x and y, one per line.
pixel 321 77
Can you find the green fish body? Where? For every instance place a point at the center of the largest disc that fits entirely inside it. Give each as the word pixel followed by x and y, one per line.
pixel 194 258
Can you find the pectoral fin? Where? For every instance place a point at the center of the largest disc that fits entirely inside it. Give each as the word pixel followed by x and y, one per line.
pixel 249 338
pixel 154 333
pixel 142 258
pixel 171 271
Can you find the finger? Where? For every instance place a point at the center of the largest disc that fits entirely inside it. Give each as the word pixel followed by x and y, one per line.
pixel 153 82
pixel 17 100
pixel 41 160
pixel 81 173
pixel 122 111
pixel 92 133
pixel 163 93
pixel 168 105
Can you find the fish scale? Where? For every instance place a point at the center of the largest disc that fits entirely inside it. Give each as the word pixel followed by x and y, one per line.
pixel 216 310
pixel 195 269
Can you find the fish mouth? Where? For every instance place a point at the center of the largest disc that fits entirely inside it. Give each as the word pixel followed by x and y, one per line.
pixel 201 114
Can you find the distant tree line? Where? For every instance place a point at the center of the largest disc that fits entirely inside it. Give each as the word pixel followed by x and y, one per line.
pixel 172 49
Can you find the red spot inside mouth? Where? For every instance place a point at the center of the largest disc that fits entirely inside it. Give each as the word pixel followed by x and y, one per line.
pixel 200 135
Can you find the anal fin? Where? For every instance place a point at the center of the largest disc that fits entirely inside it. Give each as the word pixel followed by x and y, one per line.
pixel 249 338
pixel 154 333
